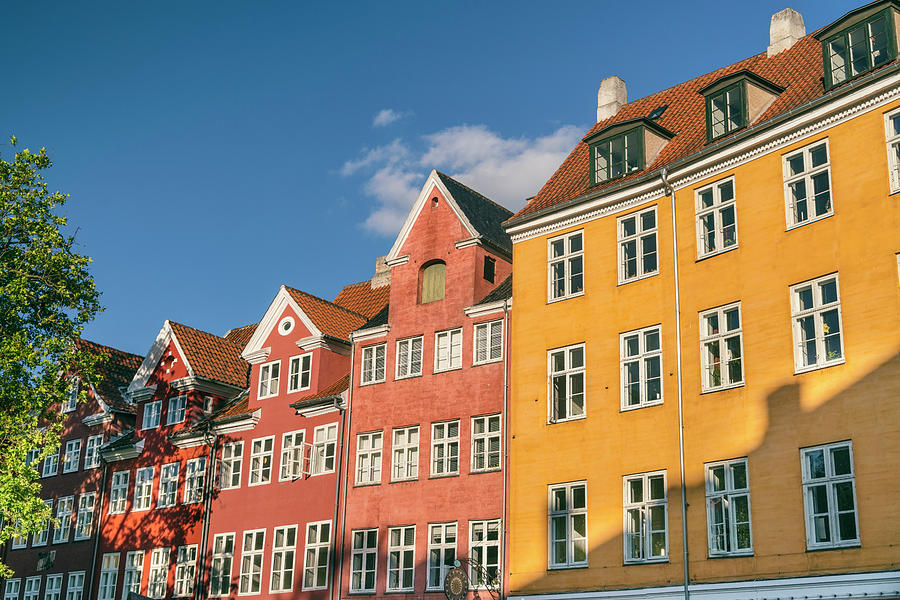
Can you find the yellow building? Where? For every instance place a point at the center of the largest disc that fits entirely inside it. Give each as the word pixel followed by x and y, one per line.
pixel 722 383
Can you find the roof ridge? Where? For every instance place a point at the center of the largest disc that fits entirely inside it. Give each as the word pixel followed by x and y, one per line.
pixel 218 337
pixel 107 347
pixel 329 302
pixel 476 192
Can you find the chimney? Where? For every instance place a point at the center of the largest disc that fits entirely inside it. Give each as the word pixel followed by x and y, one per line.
pixel 610 97
pixel 382 276
pixel 785 30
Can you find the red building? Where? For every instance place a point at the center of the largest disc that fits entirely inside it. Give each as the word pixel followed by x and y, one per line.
pixel 56 563
pixel 425 482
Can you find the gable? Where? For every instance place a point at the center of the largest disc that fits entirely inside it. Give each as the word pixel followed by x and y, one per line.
pixel 170 366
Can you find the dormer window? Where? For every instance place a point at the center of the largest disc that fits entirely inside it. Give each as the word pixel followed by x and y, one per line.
pixel 736 101
pixel 858 42
pixel 625 148
pixel 725 111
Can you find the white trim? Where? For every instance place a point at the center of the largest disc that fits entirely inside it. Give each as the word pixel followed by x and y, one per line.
pixel 396 262
pixel 488 309
pixel 97 419
pixel 150 362
pixel 257 356
pixel 466 243
pixel 201 384
pixel 361 335
pixel 270 320
pixel 312 342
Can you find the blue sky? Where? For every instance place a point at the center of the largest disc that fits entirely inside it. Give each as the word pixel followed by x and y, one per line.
pixel 214 151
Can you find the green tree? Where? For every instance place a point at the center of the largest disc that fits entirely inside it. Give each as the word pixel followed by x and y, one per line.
pixel 46 296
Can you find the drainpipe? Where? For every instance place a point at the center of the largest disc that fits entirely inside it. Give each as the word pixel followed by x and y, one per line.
pixel 96 530
pixel 340 494
pixel 684 541
pixel 504 583
pixel 208 486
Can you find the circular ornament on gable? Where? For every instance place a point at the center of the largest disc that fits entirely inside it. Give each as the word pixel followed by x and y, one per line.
pixel 456 584
pixel 286 326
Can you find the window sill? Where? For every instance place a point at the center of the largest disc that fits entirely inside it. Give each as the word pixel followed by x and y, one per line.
pixel 638 278
pixel 653 561
pixel 267 397
pixel 845 546
pixel 808 221
pixel 302 389
pixel 134 510
pixel 362 592
pixel 716 253
pixel 445 476
pixel 569 297
pixel 311 589
pixel 640 406
pixel 407 480
pixel 364 383
pixel 567 420
pixel 459 368
pixel 487 362
pixel 723 388
pixel 835 363
pixel 258 484
pixel 401 377
pixel 743 554
pixel 409 591
pixel 567 567
pixel 369 484
pixel 483 471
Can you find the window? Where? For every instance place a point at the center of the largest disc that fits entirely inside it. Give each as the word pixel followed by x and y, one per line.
pixel 566 374
pixel 859 48
pixel 71 399
pixel 41 536
pixel 488 342
pixel 807 184
pixel 445 448
pixel 209 405
pixel 646 518
pixel 409 357
pixel 725 111
pixel 363 560
pixel 143 488
pixel 168 485
pixel 373 364
pixel 54 587
pixel 368 458
pixel 152 412
pixel 177 407
pixel 448 350
pixel 230 474
pixel 829 496
pixel 109 575
pixel 441 553
pixel 484 548
pixel 194 478
pixel 291 456
pixel 75 586
pixel 401 558
pixel 434 277
pixel 405 450
pixel 220 568
pixel 566 266
pixel 118 495
pixel 816 313
pixel 318 540
pixel 567 523
pixel 32 456
pixel 490 267
pixel 261 461
pixel 84 523
pixel 892 137
pixel 728 508
pixel 485 443
pixel 720 347
pixel 185 568
pixel 51 464
pixel 19 541
pixel 92 451
pixel 64 516
pixel 637 245
pixel 134 570
pixel 641 356
pixel 617 156
pixel 716 221
pixel 299 372
pixel 158 579
pixel 251 561
pixel 32 588
pixel 323 449
pixel 268 379
pixel 11 591
pixel 71 456
pixel 283 551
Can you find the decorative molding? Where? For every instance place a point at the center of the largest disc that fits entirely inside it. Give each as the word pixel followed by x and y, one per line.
pixel 242 424
pixel 204 385
pixel 123 453
pixel 472 241
pixel 338 403
pixel 257 356
pixel 328 343
pixel 141 394
pixel 396 262
pixel 282 300
pixel 369 334
pixel 97 419
pixel 486 309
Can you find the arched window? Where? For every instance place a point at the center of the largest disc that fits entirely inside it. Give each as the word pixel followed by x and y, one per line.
pixel 433 277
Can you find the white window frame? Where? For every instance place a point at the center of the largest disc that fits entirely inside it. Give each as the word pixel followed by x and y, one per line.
pixel 65 506
pixel 726 496
pixel 892 141
pixel 567 257
pixel 444 449
pixel 483 536
pixel 185 571
pixel 118 492
pixel 292 454
pixel 152 415
pixel 51 464
pixel 269 379
pixel 221 557
pixel 194 480
pixel 316 545
pixel 568 373
pixel 42 536
pixel 570 513
pixel 369 371
pixel 75 585
pixel 716 210
pixel 32 588
pixel 401 558
pixel 284 551
pixel 92 451
pixel 363 548
pixel 143 489
pixel 806 175
pixel 109 576
pixel 176 410
pixel 405 454
pixel 167 495
pixel 132 579
pixel 299 366
pixel 369 452
pixel 11 591
pixel 53 587
pixel 406 357
pixel 644 507
pixel 158 575
pixel 251 561
pixel 84 521
pixel 830 481
pixel 71 401
pixel 818 309
pixel 448 350
pixel 483 453
pixel 439 551
pixel 324 449
pixel 638 238
pixel 235 458
pixel 720 339
pixel 483 338
pixel 261 461
pixel 643 358
pixel 72 456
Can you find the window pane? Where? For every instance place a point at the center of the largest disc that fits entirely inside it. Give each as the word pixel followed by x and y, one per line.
pixel 657 488
pixel 815 464
pixel 840 458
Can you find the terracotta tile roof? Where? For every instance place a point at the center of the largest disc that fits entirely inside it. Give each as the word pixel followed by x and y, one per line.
pixel 117 372
pixel 363 299
pixel 241 335
pixel 336 388
pixel 211 356
pixel 379 319
pixel 331 319
pixel 799 70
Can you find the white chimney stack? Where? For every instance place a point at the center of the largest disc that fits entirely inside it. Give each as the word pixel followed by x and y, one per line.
pixel 785 30
pixel 610 97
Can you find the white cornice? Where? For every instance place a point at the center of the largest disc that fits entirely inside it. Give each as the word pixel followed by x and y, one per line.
pixel 97 419
pixel 320 341
pixel 123 453
pixel 487 309
pixel 257 356
pixel 204 385
pixel 472 241
pixel 144 393
pixel 243 424
pixel 400 260
pixel 192 441
pixel 370 333
pixel 339 403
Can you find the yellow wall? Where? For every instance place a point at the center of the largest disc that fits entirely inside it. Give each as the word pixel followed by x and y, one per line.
pixel 767 420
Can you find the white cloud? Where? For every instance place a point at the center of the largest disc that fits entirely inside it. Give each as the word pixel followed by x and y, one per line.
pixel 387 116
pixel 507 170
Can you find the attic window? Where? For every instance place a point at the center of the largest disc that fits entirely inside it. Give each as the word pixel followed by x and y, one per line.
pixel 725 111
pixel 859 48
pixel 286 326
pixel 489 264
pixel 736 101
pixel 434 275
pixel 657 112
pixel 617 156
